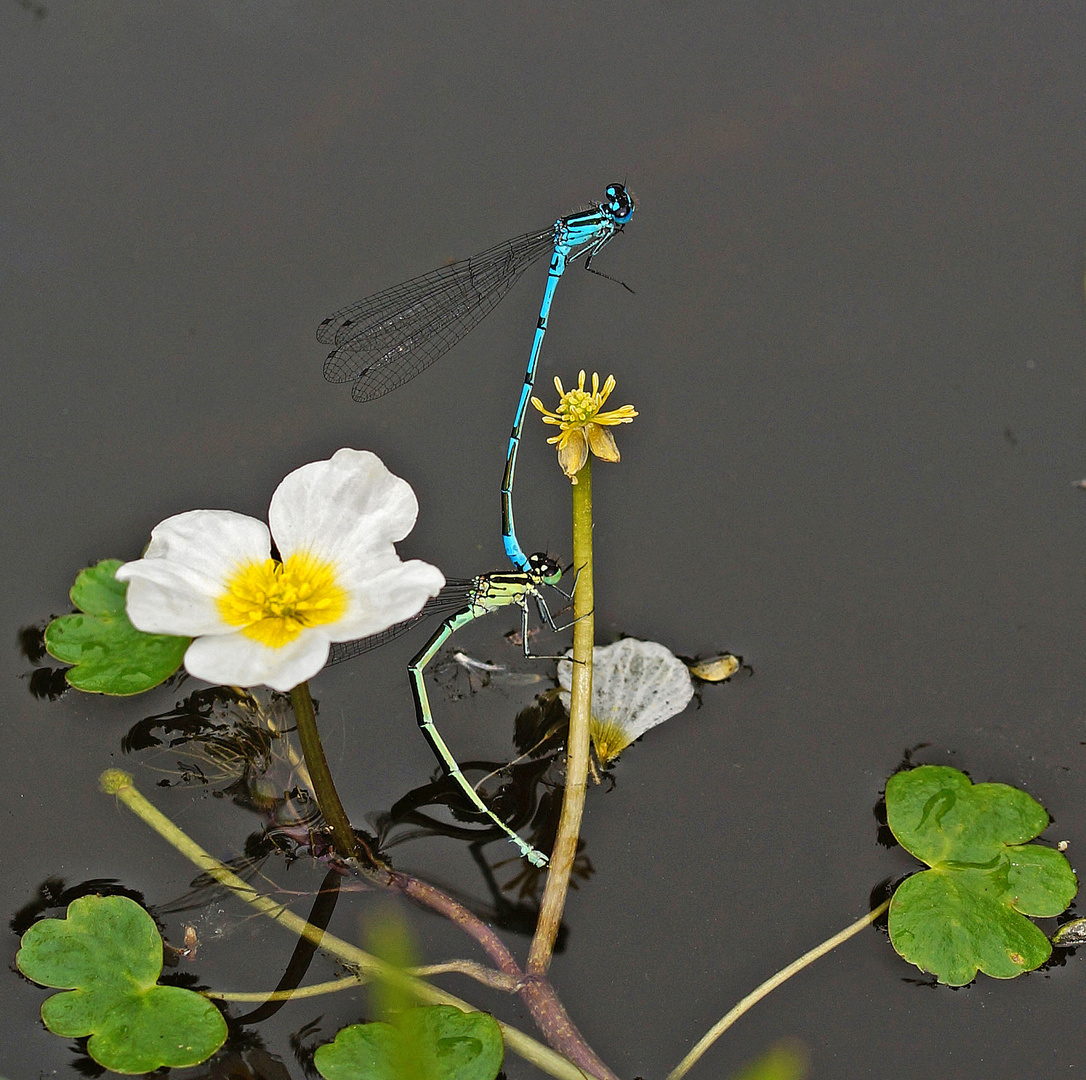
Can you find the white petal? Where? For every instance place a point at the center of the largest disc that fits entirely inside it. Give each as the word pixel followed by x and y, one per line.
pixel 165 598
pixel 173 589
pixel 237 660
pixel 635 684
pixel 378 602
pixel 211 542
pixel 350 506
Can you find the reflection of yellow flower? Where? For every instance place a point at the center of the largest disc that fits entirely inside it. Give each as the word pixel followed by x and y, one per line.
pixel 582 426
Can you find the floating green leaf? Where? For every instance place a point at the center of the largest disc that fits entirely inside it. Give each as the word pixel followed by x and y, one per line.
pixel 968 911
pixel 107 954
pixel 110 655
pixel 433 1042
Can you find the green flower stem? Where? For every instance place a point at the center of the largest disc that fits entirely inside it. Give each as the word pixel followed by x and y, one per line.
pixel 115 782
pixel 770 984
pixel 348 982
pixel 577 746
pixel 472 970
pixel 347 845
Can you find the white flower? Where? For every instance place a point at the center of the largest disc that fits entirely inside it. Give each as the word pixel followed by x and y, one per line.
pixel 635 686
pixel 210 574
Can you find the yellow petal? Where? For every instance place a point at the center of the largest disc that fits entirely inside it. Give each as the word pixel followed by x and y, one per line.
pixel 602 443
pixel 608 386
pixel 574 453
pixel 623 415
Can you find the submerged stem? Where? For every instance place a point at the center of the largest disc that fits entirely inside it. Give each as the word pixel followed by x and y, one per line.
pixel 577 746
pixel 118 783
pixel 769 985
pixel 347 845
pixel 487 976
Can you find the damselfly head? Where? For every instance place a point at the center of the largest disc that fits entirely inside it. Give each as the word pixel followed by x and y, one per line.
pixel 619 204
pixel 544 568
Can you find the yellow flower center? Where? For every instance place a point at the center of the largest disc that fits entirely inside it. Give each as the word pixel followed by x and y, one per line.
pixel 273 602
pixel 609 739
pixel 578 406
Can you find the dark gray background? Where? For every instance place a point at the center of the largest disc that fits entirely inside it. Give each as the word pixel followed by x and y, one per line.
pixel 856 348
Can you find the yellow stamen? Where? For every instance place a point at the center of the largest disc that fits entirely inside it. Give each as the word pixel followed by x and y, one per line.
pixel 582 425
pixel 609 739
pixel 273 602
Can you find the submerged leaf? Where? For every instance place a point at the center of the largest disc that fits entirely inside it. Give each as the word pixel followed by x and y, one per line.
pixel 107 953
pixel 787 1060
pixel 110 655
pixel 1071 934
pixel 635 686
pixel 433 1042
pixel 968 912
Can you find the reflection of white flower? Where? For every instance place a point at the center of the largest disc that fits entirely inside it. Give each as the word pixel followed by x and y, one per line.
pixel 635 686
pixel 210 574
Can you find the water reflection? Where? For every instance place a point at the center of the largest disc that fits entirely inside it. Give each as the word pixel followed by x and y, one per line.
pixel 45 683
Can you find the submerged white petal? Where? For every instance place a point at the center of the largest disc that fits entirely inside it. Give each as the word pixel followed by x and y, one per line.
pixel 635 686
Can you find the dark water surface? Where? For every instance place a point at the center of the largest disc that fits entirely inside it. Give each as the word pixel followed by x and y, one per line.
pixel 856 346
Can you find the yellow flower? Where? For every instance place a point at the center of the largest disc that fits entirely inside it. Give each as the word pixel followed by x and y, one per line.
pixel 582 427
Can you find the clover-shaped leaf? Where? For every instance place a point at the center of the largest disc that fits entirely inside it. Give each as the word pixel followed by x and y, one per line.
pixel 433 1042
pixel 107 954
pixel 968 911
pixel 110 655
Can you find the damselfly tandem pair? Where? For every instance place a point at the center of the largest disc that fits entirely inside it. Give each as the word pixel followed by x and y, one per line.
pixel 382 342
pixel 385 340
pixel 468 600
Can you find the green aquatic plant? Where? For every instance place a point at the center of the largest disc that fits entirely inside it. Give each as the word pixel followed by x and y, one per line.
pixel 431 1042
pixel 968 911
pixel 264 613
pixel 107 955
pixel 110 656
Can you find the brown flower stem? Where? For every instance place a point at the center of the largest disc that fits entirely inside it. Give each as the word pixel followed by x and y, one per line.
pixel 577 746
pixel 558 1029
pixel 539 996
pixel 345 842
pixel 535 991
pixel 428 896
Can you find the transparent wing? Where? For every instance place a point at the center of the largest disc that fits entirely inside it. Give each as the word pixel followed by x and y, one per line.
pixel 456 594
pixel 385 340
